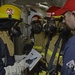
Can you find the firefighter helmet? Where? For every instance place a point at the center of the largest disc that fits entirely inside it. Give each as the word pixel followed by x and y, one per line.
pixel 36 17
pixel 10 11
pixel 51 11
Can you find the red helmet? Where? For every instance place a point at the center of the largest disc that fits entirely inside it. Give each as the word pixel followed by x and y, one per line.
pixel 51 10
pixel 35 17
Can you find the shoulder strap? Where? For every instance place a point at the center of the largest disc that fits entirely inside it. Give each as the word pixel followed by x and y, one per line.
pixel 2 54
pixel 64 37
pixel 2 48
pixel 9 60
pixel 54 53
pixel 47 45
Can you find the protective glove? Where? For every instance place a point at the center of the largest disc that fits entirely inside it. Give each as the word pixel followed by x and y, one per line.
pixel 17 68
pixel 18 58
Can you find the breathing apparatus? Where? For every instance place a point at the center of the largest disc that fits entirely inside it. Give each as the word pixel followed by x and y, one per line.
pixel 9 18
pixel 49 26
pixel 36 24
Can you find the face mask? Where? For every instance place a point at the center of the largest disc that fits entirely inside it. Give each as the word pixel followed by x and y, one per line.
pixel 49 27
pixel 36 27
pixel 7 24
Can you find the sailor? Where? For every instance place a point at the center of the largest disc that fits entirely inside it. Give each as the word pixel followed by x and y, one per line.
pixel 9 17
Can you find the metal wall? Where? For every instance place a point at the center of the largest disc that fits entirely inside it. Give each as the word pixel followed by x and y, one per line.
pixel 25 2
pixel 57 2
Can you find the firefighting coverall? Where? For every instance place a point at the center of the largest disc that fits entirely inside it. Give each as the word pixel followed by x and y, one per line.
pixel 8 66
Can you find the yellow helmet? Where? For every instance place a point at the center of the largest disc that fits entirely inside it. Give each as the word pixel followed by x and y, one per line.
pixel 10 11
